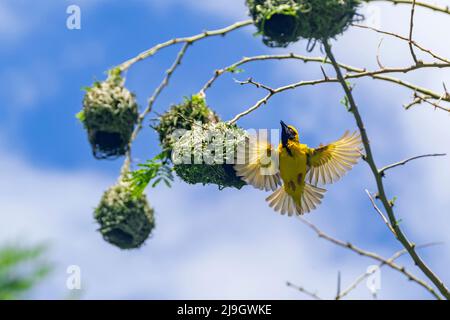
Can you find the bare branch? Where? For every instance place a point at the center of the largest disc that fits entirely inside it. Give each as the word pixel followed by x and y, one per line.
pixel 410 247
pixel 414 43
pixel 358 73
pixel 338 291
pixel 378 210
pixel 372 255
pixel 411 27
pixel 264 100
pixel 365 275
pixel 379 54
pixel 303 290
pixel 256 84
pixel 164 83
pixel 432 101
pixel 150 52
pixel 418 3
pixel 231 68
pixel 401 163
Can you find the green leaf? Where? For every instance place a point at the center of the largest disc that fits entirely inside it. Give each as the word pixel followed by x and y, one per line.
pixel 234 69
pixel 344 101
pixel 156 170
pixel 81 116
pixel 21 268
pixel 392 202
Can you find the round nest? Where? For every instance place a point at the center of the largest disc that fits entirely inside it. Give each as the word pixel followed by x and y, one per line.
pixel 109 115
pixel 125 221
pixel 281 22
pixel 183 116
pixel 206 155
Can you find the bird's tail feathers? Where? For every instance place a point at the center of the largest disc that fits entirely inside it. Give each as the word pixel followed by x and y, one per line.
pixel 282 202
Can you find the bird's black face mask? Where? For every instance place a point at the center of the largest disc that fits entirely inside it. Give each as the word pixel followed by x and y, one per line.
pixel 286 134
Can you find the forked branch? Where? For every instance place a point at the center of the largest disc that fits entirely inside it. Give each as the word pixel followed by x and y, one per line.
pixel 388 207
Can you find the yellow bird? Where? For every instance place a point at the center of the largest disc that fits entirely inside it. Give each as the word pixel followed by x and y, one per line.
pixel 301 169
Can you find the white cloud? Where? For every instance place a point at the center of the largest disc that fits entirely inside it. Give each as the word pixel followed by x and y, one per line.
pixel 226 245
pixel 12 26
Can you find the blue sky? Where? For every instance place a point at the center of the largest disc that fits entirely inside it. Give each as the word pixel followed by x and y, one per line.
pixel 209 243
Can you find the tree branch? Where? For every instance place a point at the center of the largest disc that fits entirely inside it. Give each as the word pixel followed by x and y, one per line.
pixel 164 83
pixel 372 255
pixel 359 73
pixel 411 27
pixel 418 3
pixel 410 247
pixel 414 43
pixel 150 52
pixel 365 275
pixel 380 213
pixel 401 163
pixel 303 290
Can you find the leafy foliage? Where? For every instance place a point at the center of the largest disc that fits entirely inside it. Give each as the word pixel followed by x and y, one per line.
pixel 154 171
pixel 21 268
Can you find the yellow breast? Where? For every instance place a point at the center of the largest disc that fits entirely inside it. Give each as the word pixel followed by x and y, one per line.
pixel 293 168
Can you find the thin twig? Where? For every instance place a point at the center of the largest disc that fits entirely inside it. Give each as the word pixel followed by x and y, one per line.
pixel 355 72
pixel 379 54
pixel 414 43
pixel 338 291
pixel 372 255
pixel 410 247
pixel 303 290
pixel 359 73
pixel 418 3
pixel 411 27
pixel 151 101
pixel 383 170
pixel 150 52
pixel 365 275
pixel 256 84
pixel 419 99
pixel 381 214
pixel 265 99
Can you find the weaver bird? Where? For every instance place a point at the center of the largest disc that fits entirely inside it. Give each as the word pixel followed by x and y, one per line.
pixel 301 169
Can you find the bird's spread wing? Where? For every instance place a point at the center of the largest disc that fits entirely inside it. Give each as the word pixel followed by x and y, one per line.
pixel 329 163
pixel 260 168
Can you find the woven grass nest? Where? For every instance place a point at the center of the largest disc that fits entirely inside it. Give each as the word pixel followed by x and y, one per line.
pixel 281 22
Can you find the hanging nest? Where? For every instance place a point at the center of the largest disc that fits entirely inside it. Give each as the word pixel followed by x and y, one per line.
pixel 285 21
pixel 183 116
pixel 109 115
pixel 206 155
pixel 125 221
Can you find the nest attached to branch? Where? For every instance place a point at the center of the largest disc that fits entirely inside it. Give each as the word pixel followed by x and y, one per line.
pixel 182 117
pixel 206 154
pixel 285 21
pixel 125 221
pixel 109 115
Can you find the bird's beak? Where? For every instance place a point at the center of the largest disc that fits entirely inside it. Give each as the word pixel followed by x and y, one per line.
pixel 284 133
pixel 284 128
